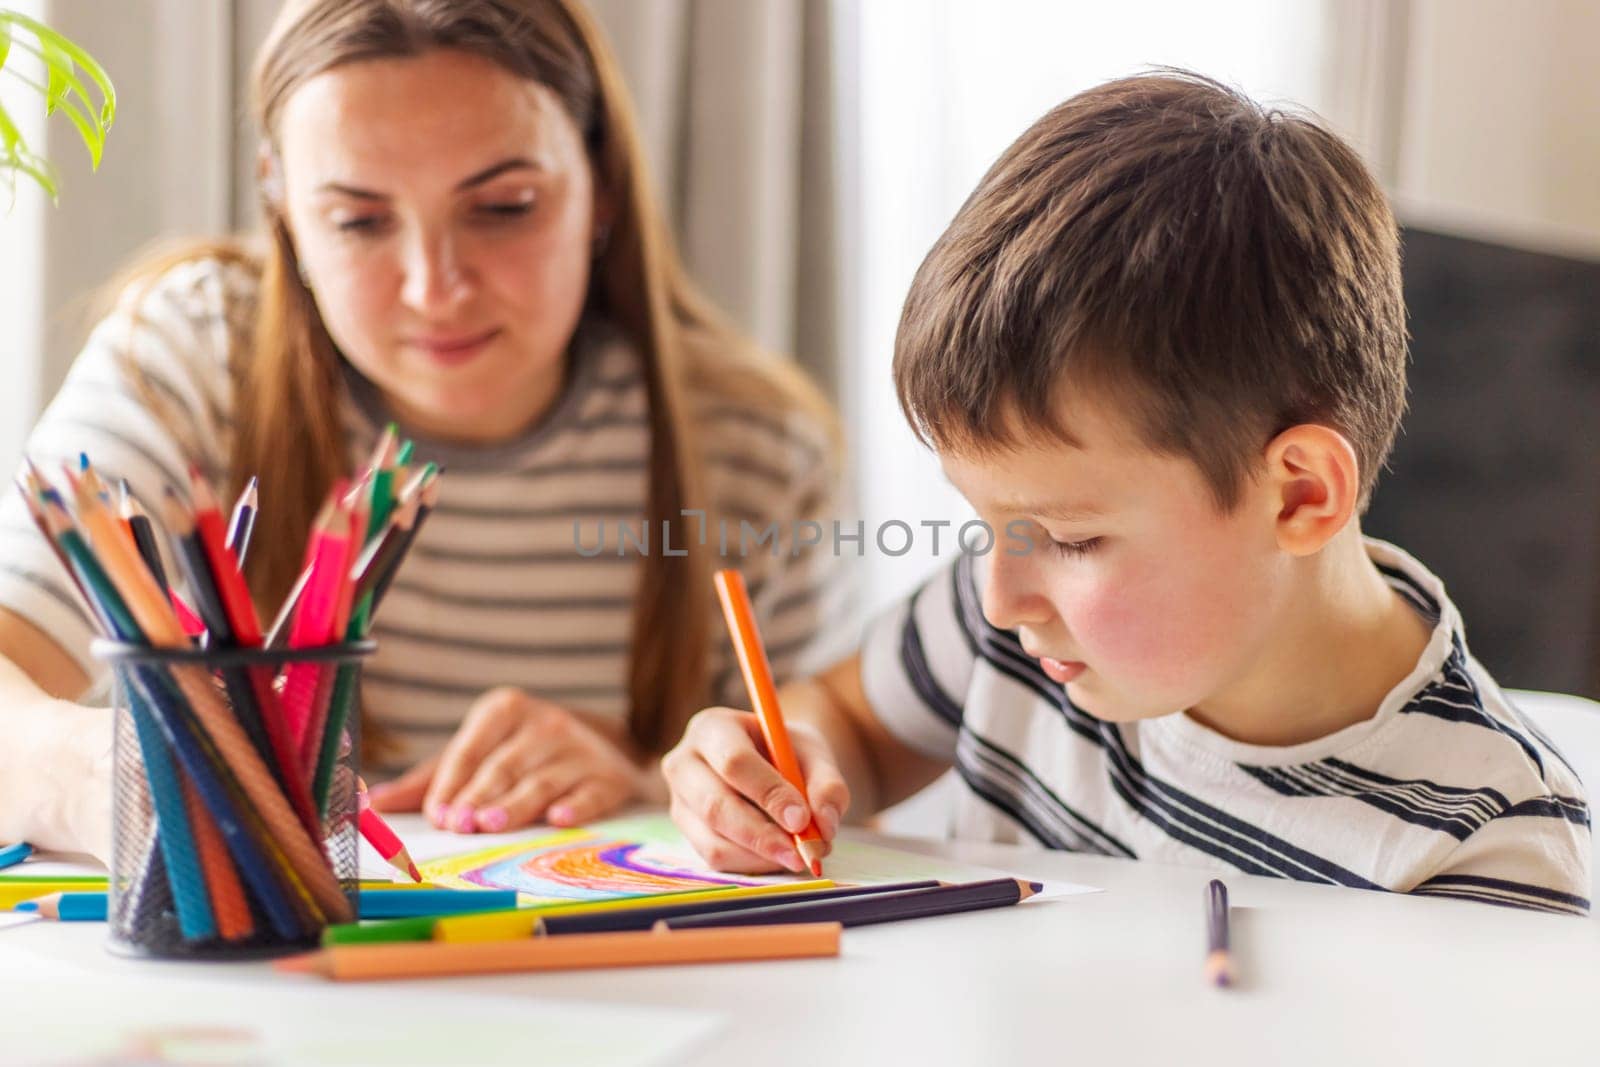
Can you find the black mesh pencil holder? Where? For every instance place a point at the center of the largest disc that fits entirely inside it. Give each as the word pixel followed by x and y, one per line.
pixel 234 820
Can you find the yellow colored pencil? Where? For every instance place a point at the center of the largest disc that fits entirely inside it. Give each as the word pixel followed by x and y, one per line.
pixel 510 925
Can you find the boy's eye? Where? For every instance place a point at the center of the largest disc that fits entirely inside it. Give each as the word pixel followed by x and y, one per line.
pixel 1076 548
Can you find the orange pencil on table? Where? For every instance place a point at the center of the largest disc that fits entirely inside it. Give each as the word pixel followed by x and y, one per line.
pixel 381 837
pixel 421 959
pixel 764 696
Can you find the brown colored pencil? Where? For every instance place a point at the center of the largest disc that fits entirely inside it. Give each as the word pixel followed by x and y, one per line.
pixel 432 959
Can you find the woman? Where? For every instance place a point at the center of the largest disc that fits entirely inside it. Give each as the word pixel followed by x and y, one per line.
pixel 458 238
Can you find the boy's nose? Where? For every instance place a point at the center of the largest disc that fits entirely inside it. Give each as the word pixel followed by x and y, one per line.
pixel 1010 595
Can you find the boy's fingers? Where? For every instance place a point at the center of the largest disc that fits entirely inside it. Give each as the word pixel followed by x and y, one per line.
pixel 489 722
pixel 730 816
pixel 525 802
pixel 720 853
pixel 728 747
pixel 404 793
pixel 826 790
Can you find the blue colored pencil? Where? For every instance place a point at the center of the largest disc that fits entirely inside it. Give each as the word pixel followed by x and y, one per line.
pixel 68 907
pixel 411 903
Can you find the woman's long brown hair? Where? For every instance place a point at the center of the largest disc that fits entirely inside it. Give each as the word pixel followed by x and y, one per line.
pixel 287 379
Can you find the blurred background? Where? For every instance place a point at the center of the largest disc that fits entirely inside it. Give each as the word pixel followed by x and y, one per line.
pixel 811 150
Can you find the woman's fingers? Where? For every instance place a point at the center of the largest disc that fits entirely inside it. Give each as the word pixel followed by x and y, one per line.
pixel 524 801
pixel 404 793
pixel 491 720
pixel 588 800
pixel 731 819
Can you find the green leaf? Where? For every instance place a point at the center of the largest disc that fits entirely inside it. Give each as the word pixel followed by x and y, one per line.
pixel 94 138
pixel 57 64
pixel 90 65
pixel 94 135
pixel 5 40
pixel 10 136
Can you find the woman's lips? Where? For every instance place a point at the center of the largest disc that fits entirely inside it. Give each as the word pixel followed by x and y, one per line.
pixel 454 351
pixel 1061 671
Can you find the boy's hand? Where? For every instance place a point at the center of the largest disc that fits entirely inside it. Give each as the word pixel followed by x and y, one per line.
pixel 734 807
pixel 515 759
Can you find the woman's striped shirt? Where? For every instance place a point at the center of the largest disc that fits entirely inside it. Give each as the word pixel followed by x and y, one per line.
pixel 503 586
pixel 1447 790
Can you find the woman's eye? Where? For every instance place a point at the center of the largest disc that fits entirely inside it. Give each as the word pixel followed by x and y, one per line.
pixel 361 224
pixel 509 209
pixel 1076 548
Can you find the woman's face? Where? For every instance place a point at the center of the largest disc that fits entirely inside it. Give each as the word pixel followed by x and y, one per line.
pixel 444 212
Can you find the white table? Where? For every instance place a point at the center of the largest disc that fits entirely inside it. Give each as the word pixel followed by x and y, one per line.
pixel 1328 976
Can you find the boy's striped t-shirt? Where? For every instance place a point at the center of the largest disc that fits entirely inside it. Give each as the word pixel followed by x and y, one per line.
pixel 1447 790
pixel 496 591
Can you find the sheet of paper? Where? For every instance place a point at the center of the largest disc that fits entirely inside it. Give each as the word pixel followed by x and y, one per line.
pixel 148 1019
pixel 644 855
pixel 18 918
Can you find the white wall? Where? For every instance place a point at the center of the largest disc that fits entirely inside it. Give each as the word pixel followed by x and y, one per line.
pixel 1501 121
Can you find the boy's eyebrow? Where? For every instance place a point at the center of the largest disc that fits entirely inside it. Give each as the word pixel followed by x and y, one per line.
pixel 487 174
pixel 1060 510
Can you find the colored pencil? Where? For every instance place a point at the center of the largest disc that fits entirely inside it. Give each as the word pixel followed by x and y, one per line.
pixel 11 855
pixel 411 903
pixel 1219 958
pixel 428 498
pixel 376 903
pixel 69 907
pixel 242 524
pixel 249 693
pixel 382 838
pixel 879 908
pixel 752 655
pixel 646 918
pixel 434 959
pixel 383 931
pixel 144 537
pixel 12 895
pixel 523 922
pixel 315 626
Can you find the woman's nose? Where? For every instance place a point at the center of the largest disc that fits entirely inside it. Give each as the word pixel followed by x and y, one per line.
pixel 436 281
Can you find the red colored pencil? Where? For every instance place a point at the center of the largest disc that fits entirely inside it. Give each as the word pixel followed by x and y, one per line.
pixel 381 837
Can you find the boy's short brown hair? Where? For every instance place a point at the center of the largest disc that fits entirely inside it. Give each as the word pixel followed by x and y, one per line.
pixel 1224 270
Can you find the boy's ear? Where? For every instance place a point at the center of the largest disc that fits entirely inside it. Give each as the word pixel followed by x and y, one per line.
pixel 1314 481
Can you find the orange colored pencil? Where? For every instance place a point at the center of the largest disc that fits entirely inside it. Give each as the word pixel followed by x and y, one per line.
pixel 757 672
pixel 223 887
pixel 432 959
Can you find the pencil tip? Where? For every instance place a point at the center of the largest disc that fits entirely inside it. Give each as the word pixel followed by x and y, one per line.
pixel 816 868
pixel 416 875
pixel 83 461
pixel 26 905
pixel 305 963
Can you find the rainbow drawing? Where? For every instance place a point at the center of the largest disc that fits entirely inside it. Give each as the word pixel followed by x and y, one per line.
pixel 609 861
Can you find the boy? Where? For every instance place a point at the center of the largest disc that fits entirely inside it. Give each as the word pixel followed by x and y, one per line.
pixel 1162 347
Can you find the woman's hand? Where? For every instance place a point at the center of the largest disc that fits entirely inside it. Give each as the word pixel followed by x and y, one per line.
pixel 735 808
pixel 515 759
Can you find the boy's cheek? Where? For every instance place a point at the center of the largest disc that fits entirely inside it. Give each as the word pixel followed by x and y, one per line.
pixel 1151 640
